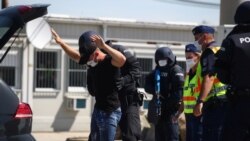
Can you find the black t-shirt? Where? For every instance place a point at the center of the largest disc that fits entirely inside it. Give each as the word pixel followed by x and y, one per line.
pixel 101 84
pixel 208 61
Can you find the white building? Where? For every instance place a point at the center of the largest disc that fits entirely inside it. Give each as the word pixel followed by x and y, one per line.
pixel 55 86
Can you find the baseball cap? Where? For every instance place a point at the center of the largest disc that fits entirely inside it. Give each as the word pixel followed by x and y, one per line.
pixel 192 48
pixel 86 46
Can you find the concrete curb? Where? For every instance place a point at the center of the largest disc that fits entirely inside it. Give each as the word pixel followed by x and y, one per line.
pixel 77 139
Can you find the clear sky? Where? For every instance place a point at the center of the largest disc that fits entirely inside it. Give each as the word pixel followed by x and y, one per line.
pixel 141 10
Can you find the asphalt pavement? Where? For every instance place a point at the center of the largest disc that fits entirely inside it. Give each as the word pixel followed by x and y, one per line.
pixel 59 136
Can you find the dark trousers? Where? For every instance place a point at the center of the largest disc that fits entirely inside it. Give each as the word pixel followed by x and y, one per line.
pixel 130 124
pixel 193 128
pixel 166 130
pixel 237 125
pixel 213 120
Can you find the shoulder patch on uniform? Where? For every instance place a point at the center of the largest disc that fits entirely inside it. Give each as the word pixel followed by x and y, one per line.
pixel 215 49
pixel 179 74
pixel 131 52
pixel 164 74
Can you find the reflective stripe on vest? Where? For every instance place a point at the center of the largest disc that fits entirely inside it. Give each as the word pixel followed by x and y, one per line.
pixel 218 88
pixel 191 92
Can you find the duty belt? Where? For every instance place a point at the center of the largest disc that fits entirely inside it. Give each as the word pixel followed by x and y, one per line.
pixel 242 92
pixel 217 90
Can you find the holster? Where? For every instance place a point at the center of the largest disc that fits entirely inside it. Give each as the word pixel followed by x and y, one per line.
pixel 214 102
pixel 135 98
pixel 234 94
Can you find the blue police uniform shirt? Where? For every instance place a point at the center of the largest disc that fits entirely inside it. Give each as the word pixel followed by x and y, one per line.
pixel 208 61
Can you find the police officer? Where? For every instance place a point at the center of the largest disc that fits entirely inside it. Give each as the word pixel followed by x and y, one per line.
pixel 130 98
pixel 212 91
pixel 191 93
pixel 166 82
pixel 103 72
pixel 233 68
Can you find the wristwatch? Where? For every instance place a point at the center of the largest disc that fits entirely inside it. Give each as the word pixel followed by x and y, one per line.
pixel 200 101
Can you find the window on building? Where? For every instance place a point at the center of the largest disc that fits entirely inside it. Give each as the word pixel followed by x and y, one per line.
pixel 146 66
pixel 47 70
pixel 10 68
pixel 7 74
pixel 77 74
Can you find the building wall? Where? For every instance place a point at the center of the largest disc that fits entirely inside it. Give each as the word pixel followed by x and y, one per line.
pixel 53 101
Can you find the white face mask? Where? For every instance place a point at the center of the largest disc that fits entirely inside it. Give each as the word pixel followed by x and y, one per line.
pixel 189 64
pixel 162 63
pixel 196 43
pixel 92 63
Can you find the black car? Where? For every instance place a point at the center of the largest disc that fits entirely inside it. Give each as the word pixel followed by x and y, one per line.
pixel 15 116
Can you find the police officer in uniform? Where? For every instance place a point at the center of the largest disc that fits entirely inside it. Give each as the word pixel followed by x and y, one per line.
pixel 190 94
pixel 211 102
pixel 233 68
pixel 169 77
pixel 130 98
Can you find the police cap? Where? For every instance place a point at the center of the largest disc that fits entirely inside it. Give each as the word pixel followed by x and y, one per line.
pixel 202 29
pixel 242 13
pixel 192 48
pixel 86 45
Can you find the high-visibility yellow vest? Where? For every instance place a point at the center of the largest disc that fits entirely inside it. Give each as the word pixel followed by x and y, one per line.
pixel 218 88
pixel 191 91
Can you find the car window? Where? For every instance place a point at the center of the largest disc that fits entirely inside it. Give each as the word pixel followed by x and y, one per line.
pixel 5 24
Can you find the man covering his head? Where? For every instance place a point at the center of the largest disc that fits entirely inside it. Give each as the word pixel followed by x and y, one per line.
pixel 103 71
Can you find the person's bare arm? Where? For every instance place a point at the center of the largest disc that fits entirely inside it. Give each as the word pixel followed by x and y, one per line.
pixel 179 112
pixel 206 87
pixel 71 52
pixel 118 59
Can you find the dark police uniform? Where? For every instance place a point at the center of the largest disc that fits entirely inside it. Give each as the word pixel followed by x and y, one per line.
pixel 130 99
pixel 233 68
pixel 171 90
pixel 215 103
pixel 214 109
